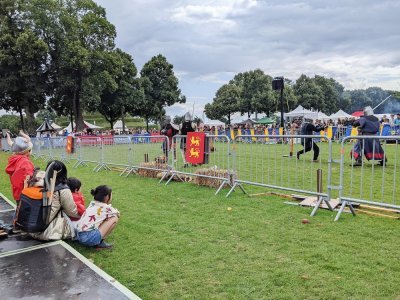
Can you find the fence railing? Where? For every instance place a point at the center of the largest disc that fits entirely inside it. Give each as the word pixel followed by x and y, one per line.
pixel 274 164
pixel 374 182
pixel 268 161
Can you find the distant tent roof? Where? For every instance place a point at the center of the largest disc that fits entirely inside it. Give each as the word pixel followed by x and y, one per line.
pixel 248 121
pixel 86 125
pixel 118 125
pixel 45 127
pixel 299 111
pixel 266 120
pixel 55 126
pixel 340 115
pixel 214 123
pixel 316 115
pixel 358 113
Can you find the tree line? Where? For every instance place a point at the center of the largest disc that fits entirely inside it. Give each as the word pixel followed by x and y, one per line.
pixel 61 55
pixel 251 92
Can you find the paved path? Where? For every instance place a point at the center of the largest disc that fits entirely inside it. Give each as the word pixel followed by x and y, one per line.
pixel 31 269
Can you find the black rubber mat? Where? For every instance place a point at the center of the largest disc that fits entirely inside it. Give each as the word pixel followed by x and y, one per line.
pixel 52 273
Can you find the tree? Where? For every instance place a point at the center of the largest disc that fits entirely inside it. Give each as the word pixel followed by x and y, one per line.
pixel 256 93
pixel 23 62
pixel 225 103
pixel 308 93
pixel 160 87
pixel 77 34
pixel 359 99
pixel 121 88
pixel 330 93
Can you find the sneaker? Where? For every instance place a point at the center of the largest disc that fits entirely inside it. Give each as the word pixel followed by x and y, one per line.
pixel 357 163
pixel 315 160
pixel 103 245
pixel 298 156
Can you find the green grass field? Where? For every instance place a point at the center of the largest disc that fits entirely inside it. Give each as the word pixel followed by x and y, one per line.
pixel 181 242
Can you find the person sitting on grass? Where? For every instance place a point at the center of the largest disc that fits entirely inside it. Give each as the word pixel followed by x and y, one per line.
pixel 99 219
pixel 74 185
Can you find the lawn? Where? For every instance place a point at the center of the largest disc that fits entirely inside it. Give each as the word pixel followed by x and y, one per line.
pixel 180 241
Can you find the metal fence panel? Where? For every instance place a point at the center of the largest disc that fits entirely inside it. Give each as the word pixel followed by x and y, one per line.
pixel 373 182
pixel 271 161
pixel 217 164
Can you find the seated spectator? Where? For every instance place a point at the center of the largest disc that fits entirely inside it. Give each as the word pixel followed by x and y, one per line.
pixel 62 206
pixel 99 220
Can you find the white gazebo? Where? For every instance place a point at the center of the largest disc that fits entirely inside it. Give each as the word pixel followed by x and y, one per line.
pixel 299 111
pixel 340 115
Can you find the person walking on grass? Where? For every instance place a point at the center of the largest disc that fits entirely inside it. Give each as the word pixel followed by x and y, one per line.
pixel 307 129
pixel 99 219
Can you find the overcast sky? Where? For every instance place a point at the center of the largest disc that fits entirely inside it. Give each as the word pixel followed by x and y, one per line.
pixel 357 42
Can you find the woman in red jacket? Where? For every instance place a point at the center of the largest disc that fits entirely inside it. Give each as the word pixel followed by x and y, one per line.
pixel 20 168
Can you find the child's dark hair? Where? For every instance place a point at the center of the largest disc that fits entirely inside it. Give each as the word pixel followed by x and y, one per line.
pixel 74 184
pixel 101 192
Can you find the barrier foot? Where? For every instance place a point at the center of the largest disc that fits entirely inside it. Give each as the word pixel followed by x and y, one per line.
pixel 221 186
pixel 123 172
pixel 163 177
pixel 233 189
pixel 78 163
pixel 172 176
pixel 342 208
pixel 318 205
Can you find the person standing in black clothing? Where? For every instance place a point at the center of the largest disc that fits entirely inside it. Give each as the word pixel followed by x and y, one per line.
pixel 186 127
pixel 307 129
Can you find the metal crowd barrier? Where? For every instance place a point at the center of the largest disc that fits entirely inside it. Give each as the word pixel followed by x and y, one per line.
pixel 275 165
pixel 148 153
pixel 371 182
pixel 217 165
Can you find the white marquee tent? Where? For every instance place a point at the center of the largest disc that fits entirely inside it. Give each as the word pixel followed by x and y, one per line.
pixel 299 111
pixel 340 115
pixel 87 125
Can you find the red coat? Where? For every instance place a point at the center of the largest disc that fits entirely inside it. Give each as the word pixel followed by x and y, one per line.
pixel 19 166
pixel 80 204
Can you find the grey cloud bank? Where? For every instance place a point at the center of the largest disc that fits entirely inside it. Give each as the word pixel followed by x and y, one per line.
pixel 208 42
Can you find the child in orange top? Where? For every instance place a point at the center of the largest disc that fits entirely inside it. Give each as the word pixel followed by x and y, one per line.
pixel 74 185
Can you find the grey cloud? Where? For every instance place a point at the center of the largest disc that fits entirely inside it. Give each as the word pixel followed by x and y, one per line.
pixel 355 42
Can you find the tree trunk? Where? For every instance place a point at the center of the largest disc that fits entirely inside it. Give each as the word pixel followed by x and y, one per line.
pixel 77 105
pixel 229 119
pixel 30 120
pixel 21 118
pixel 123 118
pixel 71 120
pixel 147 124
pixel 111 125
pixel 248 115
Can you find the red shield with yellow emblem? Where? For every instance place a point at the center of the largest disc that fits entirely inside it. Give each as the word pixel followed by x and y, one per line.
pixel 195 142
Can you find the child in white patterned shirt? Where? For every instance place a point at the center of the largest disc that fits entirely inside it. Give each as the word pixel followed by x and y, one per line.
pixel 99 219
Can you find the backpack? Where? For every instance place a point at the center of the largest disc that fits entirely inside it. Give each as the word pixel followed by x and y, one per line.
pixel 33 211
pixel 34 207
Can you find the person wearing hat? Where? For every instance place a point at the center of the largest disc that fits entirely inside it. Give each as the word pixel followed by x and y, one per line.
pixel 169 131
pixel 368 125
pixel 307 129
pixel 19 168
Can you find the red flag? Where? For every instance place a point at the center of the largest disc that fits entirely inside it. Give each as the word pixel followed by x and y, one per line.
pixel 195 142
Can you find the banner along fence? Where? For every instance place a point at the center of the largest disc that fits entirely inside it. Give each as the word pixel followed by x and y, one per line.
pixel 216 166
pixel 371 182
